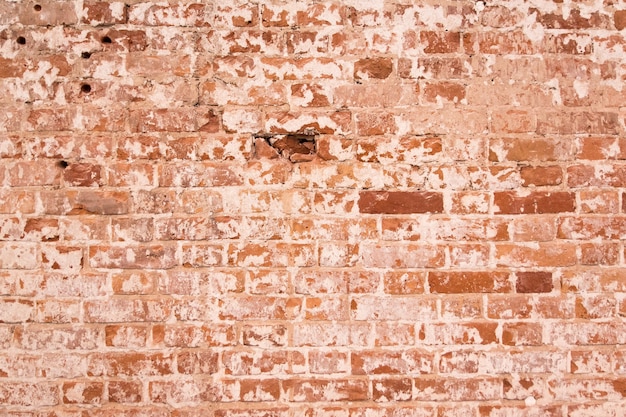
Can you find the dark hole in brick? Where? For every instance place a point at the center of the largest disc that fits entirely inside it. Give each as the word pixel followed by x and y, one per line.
pixel 37 7
pixel 85 55
pixel 62 164
pixel 106 39
pixel 296 147
pixel 85 88
pixel 21 40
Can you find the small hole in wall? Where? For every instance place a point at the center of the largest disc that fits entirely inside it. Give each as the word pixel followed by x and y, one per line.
pixel 85 55
pixel 85 88
pixel 21 40
pixel 62 164
pixel 106 39
pixel 37 7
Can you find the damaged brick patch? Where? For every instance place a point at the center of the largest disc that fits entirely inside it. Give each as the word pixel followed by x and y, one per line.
pixel 295 147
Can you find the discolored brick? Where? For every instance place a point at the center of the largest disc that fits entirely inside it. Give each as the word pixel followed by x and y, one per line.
pixel 533 282
pixel 395 202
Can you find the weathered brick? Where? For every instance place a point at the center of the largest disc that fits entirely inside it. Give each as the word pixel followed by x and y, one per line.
pixel 451 389
pixel 547 254
pixel 124 335
pixel 309 390
pixel 83 392
pixel 372 68
pixel 98 13
pixel 520 307
pixel 402 256
pixel 125 392
pixel 476 333
pixel 534 202
pixel 531 282
pixel 29 394
pixel 522 334
pixel 129 364
pixel 468 282
pixel 389 202
pixel 127 310
pixel 393 363
pixel 132 257
pixel 58 338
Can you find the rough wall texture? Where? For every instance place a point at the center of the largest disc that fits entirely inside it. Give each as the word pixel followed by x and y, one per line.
pixel 312 208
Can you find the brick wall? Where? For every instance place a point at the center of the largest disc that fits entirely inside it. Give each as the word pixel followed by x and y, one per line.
pixel 350 208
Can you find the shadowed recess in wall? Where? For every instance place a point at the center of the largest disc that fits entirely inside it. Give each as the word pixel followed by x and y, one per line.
pixel 296 147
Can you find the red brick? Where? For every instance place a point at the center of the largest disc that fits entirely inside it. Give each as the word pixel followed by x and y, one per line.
pixel 599 201
pixel 99 13
pixel 599 254
pixel 83 392
pixel 246 412
pixel 586 333
pixel 451 389
pixel 375 202
pixel 447 91
pixel 541 176
pixel 373 68
pixel 264 335
pixel 402 256
pixel 59 337
pixel 85 202
pixel 399 282
pixel 468 282
pixel 120 309
pixel 125 391
pixel 299 390
pixel 522 334
pixel 440 42
pixel 461 307
pixel 533 282
pixel 595 307
pixel 393 363
pixel 574 20
pixel 58 311
pixel 258 307
pixel 132 257
pixel 329 362
pixel 30 173
pixel 378 308
pixel 193 14
pixel 239 16
pixel 525 306
pixel 619 18
pixel 535 149
pixel 198 362
pixel 541 255
pixel 129 364
pixel 458 333
pixel 17 255
pixel 255 363
pixel 291 254
pixel 372 124
pixel 588 176
pixel 29 394
pixel 534 203
pixel 586 227
pixel 124 335
pixel 388 389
